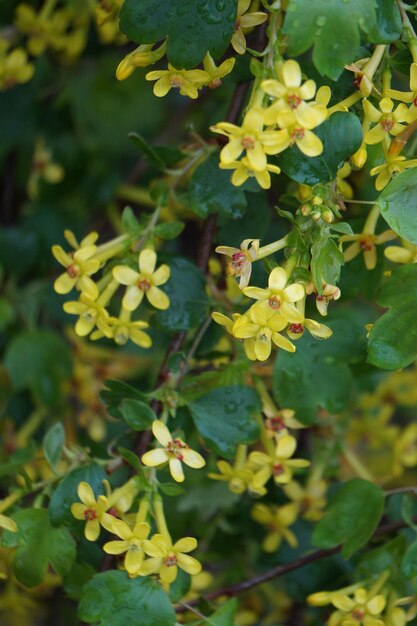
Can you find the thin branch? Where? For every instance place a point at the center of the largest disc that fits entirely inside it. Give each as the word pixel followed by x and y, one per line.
pixel 281 570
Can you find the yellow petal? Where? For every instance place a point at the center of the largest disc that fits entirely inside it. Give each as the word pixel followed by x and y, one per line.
pixel 152 458
pixel 189 564
pixel 158 298
pixel 86 494
pixel 176 470
pixel 186 544
pixel 161 433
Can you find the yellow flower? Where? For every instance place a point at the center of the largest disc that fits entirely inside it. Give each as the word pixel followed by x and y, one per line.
pixel 79 266
pixel 244 22
pixel 280 465
pixel 43 167
pixel 187 81
pixel 7 523
pixel 330 292
pixel 217 73
pixel 279 297
pixel 366 243
pixel 405 450
pixel 278 422
pixel 237 478
pixel 361 610
pixel 141 57
pixel 146 282
pixel 388 122
pixel 310 499
pixel 243 171
pixel 394 165
pixel 131 544
pixel 121 329
pixel 406 96
pixel 407 253
pixel 167 557
pixel 15 68
pixel 319 331
pixel 276 519
pixel 241 259
pixel 92 511
pixel 91 314
pixel 251 137
pixel 173 451
pixel 342 185
pixel 290 106
pixel 260 327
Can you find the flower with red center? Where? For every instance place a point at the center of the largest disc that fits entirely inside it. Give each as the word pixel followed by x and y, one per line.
pixel 366 243
pixel 319 331
pixel 92 511
pixel 361 609
pixel 79 266
pixel 241 259
pixel 166 557
pixel 387 121
pixel 276 519
pixel 145 282
pixel 279 296
pixel 173 451
pixel 279 465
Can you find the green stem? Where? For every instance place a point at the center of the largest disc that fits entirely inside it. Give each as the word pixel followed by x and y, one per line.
pixel 158 508
pixel 135 194
pixel 371 221
pixel 265 251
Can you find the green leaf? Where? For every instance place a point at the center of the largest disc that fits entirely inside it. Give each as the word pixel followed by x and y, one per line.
pixel 193 28
pixel 38 360
pixel 186 291
pixel 169 230
pixel 409 564
pixel 341 135
pixel 53 443
pixel 351 518
pixel 393 339
pixel 66 492
pixel 409 510
pixel 115 392
pixel 148 152
pixel 210 191
pixel 137 414
pixel 131 458
pixel 171 489
pixel 113 599
pixel 397 204
pixel 225 417
pixel 225 615
pixel 388 25
pixel 39 545
pixel 7 313
pixel 76 578
pixel 314 376
pixel 326 261
pixel 333 28
pixel 130 224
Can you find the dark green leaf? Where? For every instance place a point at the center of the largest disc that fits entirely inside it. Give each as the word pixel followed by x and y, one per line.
pixel 7 313
pixel 130 224
pixel 326 261
pixel 351 518
pixel 225 615
pixel 148 151
pixel 333 28
pixel 66 492
pixel 137 414
pixel 225 417
pixel 397 204
pixel 131 458
pixel 193 28
pixel 115 392
pixel 312 377
pixel 53 443
pixel 76 578
pixel 171 489
pixel 210 191
pixel 393 338
pixel 189 303
pixel 113 599
pixel 409 564
pixel 38 545
pixel 169 230
pixel 388 25
pixel 341 135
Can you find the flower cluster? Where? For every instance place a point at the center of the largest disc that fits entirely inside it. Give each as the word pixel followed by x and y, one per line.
pixel 94 318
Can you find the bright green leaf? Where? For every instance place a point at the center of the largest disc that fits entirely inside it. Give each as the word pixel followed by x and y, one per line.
pixel 53 443
pixel 397 203
pixel 326 261
pixel 137 414
pixel 169 230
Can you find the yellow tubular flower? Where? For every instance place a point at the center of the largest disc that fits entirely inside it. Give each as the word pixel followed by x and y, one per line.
pixel 277 519
pixel 244 22
pixel 243 171
pixel 173 451
pixel 278 422
pixel 91 314
pixel 7 523
pixel 146 282
pixel 217 73
pixel 280 465
pixel 141 57
pixel 241 259
pixel 279 297
pixel 394 165
pixel 361 609
pixel 167 557
pixel 131 543
pixel 92 511
pixel 187 81
pixel 387 122
pixel 330 292
pixel 366 243
pixel 407 253
pixel 259 328
pixel 251 137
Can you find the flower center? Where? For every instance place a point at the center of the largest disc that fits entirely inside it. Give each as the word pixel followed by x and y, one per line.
pixel 366 245
pixel 216 82
pixel 90 515
pixel 278 469
pixel 175 81
pixel 144 284
pixel 357 81
pixel 274 302
pixel 171 560
pixel 174 448
pixel 276 424
pixel 297 329
pixel 134 546
pixel 387 123
pixel 358 614
pixel 294 101
pixel 248 143
pixel 238 260
pixel 72 271
pixel 263 337
pixel 297 133
pixel 121 336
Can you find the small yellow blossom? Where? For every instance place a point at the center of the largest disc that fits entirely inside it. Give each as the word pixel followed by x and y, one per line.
pixel 145 282
pixel 92 511
pixel 15 68
pixel 407 253
pixel 387 122
pixel 279 465
pixel 141 57
pixel 244 22
pixel 277 422
pixel 173 451
pixel 310 498
pixel 366 243
pixel 167 557
pixel 259 328
pixel 319 331
pixel 216 73
pixel 187 81
pixel 330 292
pixel 121 329
pixel 7 523
pixel 79 266
pixel 241 259
pixel 360 609
pixel 238 478
pixel 276 519
pixel 278 296
pixel 131 543
pixel 342 185
pixel 405 450
pixel 43 168
pixel 91 314
pixel 243 171
pixel 394 165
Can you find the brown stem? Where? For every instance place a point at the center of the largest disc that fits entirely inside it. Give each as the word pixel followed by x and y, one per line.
pixel 281 570
pixel 399 142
